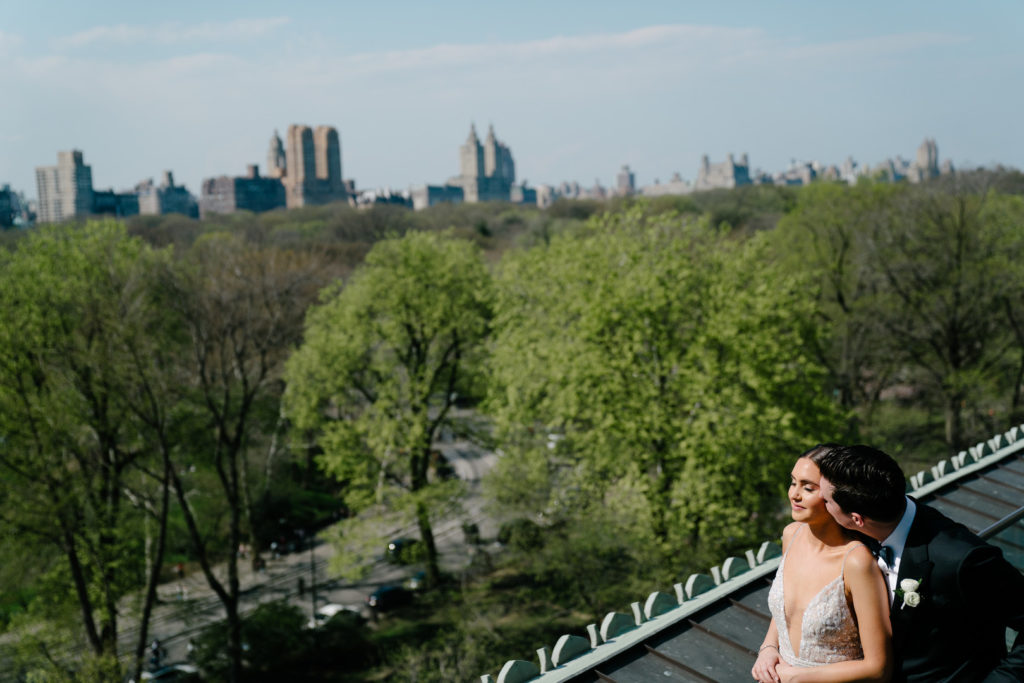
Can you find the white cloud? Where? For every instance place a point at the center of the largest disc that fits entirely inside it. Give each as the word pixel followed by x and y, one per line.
pixel 693 40
pixel 173 32
pixel 9 42
pixel 874 46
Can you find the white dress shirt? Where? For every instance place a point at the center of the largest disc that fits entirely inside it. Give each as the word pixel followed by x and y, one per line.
pixel 897 540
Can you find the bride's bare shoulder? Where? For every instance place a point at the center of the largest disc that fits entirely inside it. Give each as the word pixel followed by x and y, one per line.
pixel 789 532
pixel 860 558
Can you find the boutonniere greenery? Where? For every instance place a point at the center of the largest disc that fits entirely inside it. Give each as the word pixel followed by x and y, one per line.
pixel 908 591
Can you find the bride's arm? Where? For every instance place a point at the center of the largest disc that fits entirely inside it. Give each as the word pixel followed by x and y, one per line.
pixel 871 604
pixel 768 656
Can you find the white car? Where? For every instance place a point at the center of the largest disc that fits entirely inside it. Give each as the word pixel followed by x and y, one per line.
pixel 327 611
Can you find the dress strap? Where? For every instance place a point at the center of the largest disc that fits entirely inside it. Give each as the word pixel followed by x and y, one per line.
pixel 792 540
pixel 842 570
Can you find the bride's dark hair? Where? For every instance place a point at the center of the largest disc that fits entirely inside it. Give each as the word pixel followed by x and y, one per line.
pixel 816 454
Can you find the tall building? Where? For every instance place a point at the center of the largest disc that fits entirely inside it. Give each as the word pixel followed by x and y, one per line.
pixel 65 190
pixel 313 166
pixel 8 201
pixel 727 174
pixel 625 182
pixel 486 171
pixel 926 165
pixel 471 156
pixel 327 149
pixel 277 163
pixel 301 158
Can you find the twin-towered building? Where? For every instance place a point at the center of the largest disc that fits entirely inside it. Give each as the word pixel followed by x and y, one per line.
pixel 304 171
pixel 311 168
pixel 487 172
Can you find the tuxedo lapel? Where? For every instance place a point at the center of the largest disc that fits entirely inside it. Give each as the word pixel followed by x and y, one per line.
pixel 915 563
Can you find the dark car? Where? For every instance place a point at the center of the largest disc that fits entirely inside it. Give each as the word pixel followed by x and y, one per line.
pixel 389 597
pixel 403 551
pixel 174 672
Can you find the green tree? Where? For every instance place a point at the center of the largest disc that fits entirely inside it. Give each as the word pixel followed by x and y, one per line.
pixel 917 289
pixel 657 367
pixel 241 309
pixel 76 309
pixel 382 361
pixel 1005 214
pixel 942 305
pixel 828 236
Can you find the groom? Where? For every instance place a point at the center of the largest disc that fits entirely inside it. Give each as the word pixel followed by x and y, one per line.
pixel 952 594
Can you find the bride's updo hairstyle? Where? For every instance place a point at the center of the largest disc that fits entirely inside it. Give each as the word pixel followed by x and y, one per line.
pixel 819 452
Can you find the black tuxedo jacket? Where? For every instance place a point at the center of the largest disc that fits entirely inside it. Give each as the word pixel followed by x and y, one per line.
pixel 969 595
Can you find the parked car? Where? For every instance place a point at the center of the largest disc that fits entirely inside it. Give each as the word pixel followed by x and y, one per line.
pixel 403 551
pixel 174 672
pixel 329 611
pixel 389 597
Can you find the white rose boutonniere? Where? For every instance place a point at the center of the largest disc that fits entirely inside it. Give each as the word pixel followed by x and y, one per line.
pixel 908 591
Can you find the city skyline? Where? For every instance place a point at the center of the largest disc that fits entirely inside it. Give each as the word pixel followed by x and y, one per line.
pixel 577 90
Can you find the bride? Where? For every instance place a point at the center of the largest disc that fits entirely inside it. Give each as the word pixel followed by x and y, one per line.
pixel 829 601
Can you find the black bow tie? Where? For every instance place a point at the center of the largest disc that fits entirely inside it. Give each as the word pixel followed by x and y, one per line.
pixel 887 555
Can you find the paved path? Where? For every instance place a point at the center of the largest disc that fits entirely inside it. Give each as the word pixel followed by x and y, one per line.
pixel 185 607
pixel 182 613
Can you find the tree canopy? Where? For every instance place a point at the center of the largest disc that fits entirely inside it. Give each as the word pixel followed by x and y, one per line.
pixel 382 362
pixel 653 355
pixel 77 309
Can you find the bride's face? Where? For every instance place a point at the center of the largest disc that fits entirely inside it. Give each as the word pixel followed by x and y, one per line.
pixel 805 497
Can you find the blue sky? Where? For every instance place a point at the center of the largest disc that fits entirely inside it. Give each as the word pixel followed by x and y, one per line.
pixel 576 89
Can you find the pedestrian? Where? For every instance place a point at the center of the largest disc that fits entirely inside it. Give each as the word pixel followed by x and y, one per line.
pixel 155 654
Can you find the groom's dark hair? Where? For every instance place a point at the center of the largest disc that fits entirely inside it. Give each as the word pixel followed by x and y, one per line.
pixel 864 480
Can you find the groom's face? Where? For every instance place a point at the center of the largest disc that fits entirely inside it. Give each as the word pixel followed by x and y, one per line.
pixel 833 508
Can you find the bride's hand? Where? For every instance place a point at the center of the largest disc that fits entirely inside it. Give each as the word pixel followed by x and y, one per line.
pixel 786 672
pixel 764 668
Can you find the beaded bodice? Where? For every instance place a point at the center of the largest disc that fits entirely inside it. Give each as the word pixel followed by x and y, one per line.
pixel 828 632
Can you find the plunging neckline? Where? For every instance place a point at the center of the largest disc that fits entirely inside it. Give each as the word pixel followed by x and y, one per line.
pixel 803 622
pixel 828 629
pixel 827 590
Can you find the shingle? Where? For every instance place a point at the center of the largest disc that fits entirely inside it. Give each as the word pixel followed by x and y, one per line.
pixel 718 642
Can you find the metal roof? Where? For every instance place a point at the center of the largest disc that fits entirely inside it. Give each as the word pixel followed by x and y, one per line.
pixel 711 628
